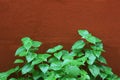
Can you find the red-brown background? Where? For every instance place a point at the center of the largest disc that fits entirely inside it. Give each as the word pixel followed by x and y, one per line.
pixel 56 22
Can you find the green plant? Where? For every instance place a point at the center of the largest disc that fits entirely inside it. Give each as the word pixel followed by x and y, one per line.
pixel 83 62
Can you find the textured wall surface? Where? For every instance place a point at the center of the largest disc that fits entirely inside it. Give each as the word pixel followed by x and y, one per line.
pixel 56 22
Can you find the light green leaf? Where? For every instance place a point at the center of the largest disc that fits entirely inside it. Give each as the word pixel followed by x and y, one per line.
pixel 55 49
pixel 43 56
pixel 98 46
pixel 84 33
pixel 78 45
pixel 40 58
pixel 72 71
pixel 53 59
pixel 67 55
pixel 91 59
pixel 93 39
pixel 89 37
pixel 58 55
pixel 27 68
pixel 95 71
pixel 20 51
pixel 19 61
pixel 12 79
pixel 36 44
pixel 30 56
pixel 102 60
pixel 97 53
pixel 44 67
pixel 27 42
pixel 56 65
pixel 5 75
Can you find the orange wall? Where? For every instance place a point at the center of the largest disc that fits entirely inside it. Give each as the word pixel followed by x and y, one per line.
pixel 56 22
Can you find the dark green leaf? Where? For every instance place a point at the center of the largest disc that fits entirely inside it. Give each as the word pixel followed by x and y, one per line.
pixel 103 75
pixel 55 49
pixel 19 61
pixel 51 76
pixel 36 74
pixel 78 45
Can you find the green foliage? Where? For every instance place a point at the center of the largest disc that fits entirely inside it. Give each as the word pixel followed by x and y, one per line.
pixel 83 62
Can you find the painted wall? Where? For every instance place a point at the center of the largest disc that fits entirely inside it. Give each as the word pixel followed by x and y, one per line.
pixel 56 22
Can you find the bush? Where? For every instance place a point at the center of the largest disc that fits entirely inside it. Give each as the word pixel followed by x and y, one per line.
pixel 83 62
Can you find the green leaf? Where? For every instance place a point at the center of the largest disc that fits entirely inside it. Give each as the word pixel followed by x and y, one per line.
pixel 93 39
pixel 58 55
pixel 31 56
pixel 103 75
pixel 21 51
pixel 12 79
pixel 91 59
pixel 98 46
pixel 56 65
pixel 19 61
pixel 89 37
pixel 40 58
pixel 95 71
pixel 84 75
pixel 67 55
pixel 36 44
pixel 106 69
pixel 36 74
pixel 44 67
pixel 97 53
pixel 72 71
pixel 27 68
pixel 78 45
pixel 55 49
pixel 43 56
pixel 27 42
pixel 52 59
pixel 82 60
pixel 71 62
pixel 5 75
pixel 102 60
pixel 51 76
pixel 84 33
